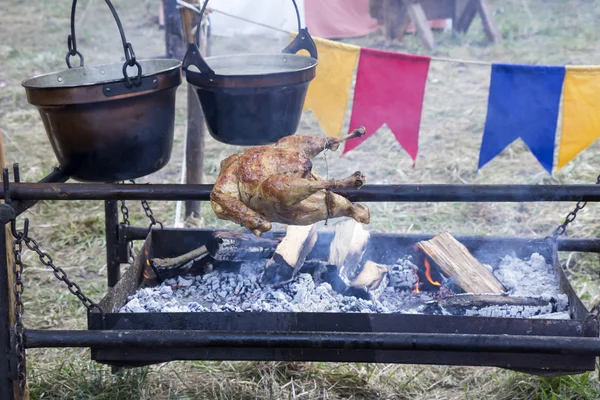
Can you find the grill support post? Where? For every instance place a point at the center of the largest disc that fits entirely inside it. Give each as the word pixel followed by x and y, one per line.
pixel 8 362
pixel 111 223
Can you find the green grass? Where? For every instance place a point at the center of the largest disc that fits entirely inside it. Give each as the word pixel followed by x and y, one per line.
pixel 33 41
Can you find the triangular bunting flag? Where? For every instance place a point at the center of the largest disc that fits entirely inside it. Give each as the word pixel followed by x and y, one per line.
pixel 523 103
pixel 581 112
pixel 390 88
pixel 329 93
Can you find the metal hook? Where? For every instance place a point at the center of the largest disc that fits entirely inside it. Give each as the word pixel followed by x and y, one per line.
pixel 16 173
pixel 13 228
pixel 6 185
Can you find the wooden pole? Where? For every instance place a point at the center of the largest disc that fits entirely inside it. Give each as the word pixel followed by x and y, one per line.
pixel 11 278
pixel 194 157
pixel 175 46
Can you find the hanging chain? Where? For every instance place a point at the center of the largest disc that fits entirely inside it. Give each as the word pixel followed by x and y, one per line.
pixel 59 273
pixel 18 327
pixel 150 215
pixel 18 288
pixel 125 212
pixel 571 216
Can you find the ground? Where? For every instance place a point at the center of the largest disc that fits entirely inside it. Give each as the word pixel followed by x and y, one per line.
pixel 33 40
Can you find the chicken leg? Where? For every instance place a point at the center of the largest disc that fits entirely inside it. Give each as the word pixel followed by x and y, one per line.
pixel 303 201
pixel 311 146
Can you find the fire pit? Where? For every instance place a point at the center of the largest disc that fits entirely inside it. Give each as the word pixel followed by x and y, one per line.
pixel 231 298
pixel 383 298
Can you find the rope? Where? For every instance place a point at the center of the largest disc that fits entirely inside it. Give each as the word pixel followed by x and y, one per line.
pixel 442 59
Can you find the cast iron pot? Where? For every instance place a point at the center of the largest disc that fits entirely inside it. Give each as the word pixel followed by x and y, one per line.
pixel 103 124
pixel 252 99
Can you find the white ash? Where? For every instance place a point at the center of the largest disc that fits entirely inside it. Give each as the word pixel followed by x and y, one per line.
pixel 220 291
pixel 509 311
pixel 237 292
pixel 533 277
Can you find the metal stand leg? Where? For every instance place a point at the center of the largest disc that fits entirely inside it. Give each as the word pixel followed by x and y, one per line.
pixel 6 383
pixel 111 218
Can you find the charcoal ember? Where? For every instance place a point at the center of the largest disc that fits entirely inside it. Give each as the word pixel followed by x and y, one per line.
pixel 303 286
pixel 134 306
pixel 181 281
pixel 166 291
pixel 402 274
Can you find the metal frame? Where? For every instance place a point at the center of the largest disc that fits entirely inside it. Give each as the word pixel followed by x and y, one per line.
pixel 21 196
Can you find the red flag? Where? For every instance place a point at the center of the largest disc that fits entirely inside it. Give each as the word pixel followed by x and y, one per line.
pixel 389 90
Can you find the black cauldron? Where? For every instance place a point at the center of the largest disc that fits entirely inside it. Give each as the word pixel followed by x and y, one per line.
pixel 252 99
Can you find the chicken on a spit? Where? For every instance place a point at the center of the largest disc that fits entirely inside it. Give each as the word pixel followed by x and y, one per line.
pixel 276 183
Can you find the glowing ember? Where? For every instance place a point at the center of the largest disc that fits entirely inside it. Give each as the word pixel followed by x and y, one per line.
pixel 428 273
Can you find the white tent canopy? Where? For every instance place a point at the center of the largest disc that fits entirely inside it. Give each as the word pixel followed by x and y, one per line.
pixel 276 13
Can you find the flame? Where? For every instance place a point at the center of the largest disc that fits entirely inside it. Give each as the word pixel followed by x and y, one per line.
pixel 416 289
pixel 146 276
pixel 428 273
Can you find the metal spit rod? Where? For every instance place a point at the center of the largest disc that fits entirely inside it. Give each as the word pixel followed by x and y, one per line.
pixel 314 340
pixel 368 193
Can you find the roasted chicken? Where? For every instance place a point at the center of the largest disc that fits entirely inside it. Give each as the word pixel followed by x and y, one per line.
pixel 276 183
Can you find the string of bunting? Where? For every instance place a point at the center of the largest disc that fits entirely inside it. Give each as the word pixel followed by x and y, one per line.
pixel 524 101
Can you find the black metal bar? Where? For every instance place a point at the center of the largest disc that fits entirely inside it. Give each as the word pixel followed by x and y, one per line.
pixel 369 193
pixel 111 224
pixel 584 245
pixel 6 383
pixel 23 205
pixel 320 340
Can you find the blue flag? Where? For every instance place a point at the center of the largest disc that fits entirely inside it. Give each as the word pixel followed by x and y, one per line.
pixel 524 101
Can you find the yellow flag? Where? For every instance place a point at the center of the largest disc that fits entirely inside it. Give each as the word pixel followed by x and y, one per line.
pixel 329 91
pixel 581 112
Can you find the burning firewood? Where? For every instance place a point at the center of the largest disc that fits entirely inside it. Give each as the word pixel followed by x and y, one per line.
pixel 347 249
pixel 191 262
pixel 494 305
pixel 233 246
pixel 290 254
pixel 373 278
pixel 363 278
pixel 459 265
pixel 225 247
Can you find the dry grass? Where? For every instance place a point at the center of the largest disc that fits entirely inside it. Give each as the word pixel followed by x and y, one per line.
pixel 33 40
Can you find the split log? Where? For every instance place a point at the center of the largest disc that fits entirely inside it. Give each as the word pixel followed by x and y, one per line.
pixel 195 254
pixel 233 246
pixel 459 265
pixel 194 262
pixel 290 254
pixel 365 279
pixel 227 249
pixel 373 279
pixel 348 248
pixel 493 305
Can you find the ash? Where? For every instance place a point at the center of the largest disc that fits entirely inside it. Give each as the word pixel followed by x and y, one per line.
pixel 237 292
pixel 221 291
pixel 533 277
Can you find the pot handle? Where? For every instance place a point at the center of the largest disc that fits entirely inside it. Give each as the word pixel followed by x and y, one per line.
pixel 130 59
pixel 302 41
pixel 193 56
